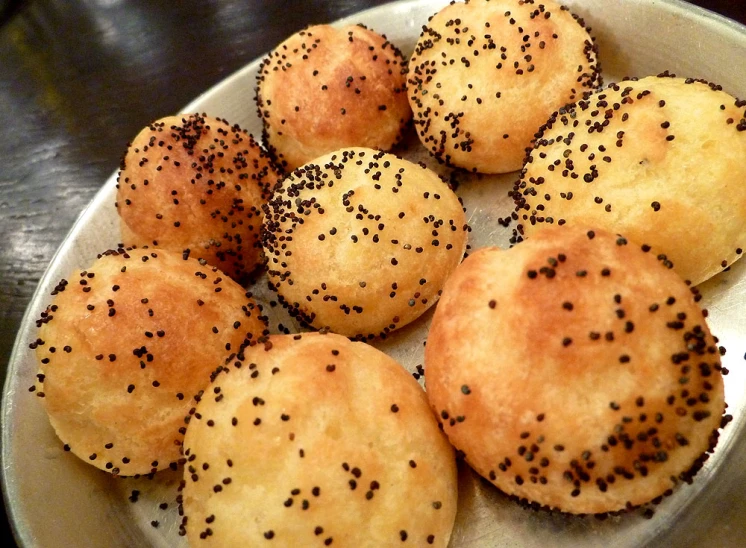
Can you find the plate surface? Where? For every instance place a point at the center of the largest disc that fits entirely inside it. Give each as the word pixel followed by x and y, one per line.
pixel 54 499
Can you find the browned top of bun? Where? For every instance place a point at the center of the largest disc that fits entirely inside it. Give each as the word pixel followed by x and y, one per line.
pixel 125 346
pixel 486 74
pixel 361 241
pixel 575 371
pixel 319 440
pixel 661 160
pixel 326 88
pixel 198 183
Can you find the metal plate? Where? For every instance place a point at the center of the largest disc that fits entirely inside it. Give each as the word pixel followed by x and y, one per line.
pixel 54 499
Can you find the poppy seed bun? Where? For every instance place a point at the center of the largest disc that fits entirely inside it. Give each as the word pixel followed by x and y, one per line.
pixel 575 371
pixel 318 441
pixel 124 347
pixel 486 74
pixel 197 183
pixel 661 160
pixel 326 88
pixel 361 241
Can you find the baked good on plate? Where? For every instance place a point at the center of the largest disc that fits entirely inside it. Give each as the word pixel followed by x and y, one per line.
pixel 125 346
pixel 326 88
pixel 486 74
pixel 361 242
pixel 661 160
pixel 575 371
pixel 313 440
pixel 198 183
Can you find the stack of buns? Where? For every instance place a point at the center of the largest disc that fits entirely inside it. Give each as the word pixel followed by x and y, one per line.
pixel 575 372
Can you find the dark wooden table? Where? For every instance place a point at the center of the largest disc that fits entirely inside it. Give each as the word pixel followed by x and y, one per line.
pixel 79 79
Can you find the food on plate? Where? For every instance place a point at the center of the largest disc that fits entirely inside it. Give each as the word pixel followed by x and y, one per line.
pixel 575 371
pixel 326 88
pixel 361 242
pixel 661 160
pixel 197 183
pixel 315 440
pixel 486 74
pixel 126 345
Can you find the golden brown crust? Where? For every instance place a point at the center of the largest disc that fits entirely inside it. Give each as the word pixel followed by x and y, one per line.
pixel 486 74
pixel 317 438
pixel 127 344
pixel 325 88
pixel 661 160
pixel 198 183
pixel 361 241
pixel 574 371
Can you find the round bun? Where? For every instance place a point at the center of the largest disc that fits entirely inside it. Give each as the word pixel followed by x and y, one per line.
pixel 124 347
pixel 661 160
pixel 575 371
pixel 319 441
pixel 326 88
pixel 197 183
pixel 486 74
pixel 361 242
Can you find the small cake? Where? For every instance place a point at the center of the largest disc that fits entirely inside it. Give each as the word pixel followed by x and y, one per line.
pixel 316 440
pixel 361 242
pixel 197 183
pixel 327 88
pixel 486 74
pixel 575 371
pixel 661 160
pixel 125 347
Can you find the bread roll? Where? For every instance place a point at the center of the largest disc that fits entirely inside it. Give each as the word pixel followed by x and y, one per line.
pixel 575 371
pixel 125 346
pixel 486 74
pixel 361 242
pixel 197 183
pixel 317 441
pixel 661 160
pixel 327 88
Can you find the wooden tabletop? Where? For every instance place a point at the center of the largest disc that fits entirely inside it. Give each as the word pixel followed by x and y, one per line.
pixel 79 79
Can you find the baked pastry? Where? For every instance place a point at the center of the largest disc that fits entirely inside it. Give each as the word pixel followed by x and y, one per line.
pixel 486 74
pixel 361 242
pixel 197 183
pixel 661 160
pixel 327 88
pixel 126 345
pixel 316 440
pixel 575 371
